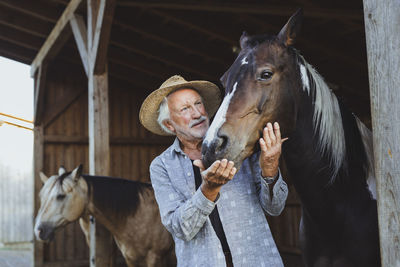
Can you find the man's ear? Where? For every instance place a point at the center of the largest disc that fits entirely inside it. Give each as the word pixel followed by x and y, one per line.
pixel 168 124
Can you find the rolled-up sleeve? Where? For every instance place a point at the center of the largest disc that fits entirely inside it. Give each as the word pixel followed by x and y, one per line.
pixel 273 206
pixel 280 191
pixel 182 217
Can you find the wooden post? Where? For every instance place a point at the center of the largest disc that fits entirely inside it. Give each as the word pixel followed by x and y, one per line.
pixel 382 24
pixel 38 151
pixel 100 14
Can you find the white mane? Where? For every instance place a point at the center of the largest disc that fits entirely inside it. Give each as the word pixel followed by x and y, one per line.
pixel 327 118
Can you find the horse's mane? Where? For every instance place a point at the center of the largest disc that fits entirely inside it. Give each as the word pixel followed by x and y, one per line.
pixel 116 195
pixel 327 117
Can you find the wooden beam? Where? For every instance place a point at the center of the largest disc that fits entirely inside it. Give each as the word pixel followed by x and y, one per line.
pixel 58 36
pixel 148 34
pixel 15 52
pixel 99 14
pixel 249 9
pixel 208 32
pixel 382 22
pixel 99 161
pixel 32 9
pixel 38 150
pixel 101 34
pixel 13 19
pixel 164 60
pixel 132 141
pixel 40 84
pixel 80 34
pixel 19 38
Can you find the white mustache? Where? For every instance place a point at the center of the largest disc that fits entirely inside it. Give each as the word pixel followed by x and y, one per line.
pixel 199 120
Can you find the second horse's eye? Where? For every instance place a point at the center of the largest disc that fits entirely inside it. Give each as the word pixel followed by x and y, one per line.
pixel 266 75
pixel 60 197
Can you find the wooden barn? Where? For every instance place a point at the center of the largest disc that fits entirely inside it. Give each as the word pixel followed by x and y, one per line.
pixel 95 61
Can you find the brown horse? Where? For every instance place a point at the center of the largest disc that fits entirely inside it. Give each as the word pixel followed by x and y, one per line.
pixel 126 208
pixel 328 154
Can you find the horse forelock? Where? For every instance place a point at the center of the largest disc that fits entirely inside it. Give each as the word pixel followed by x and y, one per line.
pixel 327 116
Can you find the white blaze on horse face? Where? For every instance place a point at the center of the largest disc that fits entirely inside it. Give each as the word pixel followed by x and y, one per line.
pixel 304 78
pixel 220 117
pixel 244 61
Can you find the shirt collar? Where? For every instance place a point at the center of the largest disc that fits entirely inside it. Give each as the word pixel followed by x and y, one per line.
pixel 176 146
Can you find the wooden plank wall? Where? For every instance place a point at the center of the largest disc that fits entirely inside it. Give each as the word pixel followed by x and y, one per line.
pixel 132 150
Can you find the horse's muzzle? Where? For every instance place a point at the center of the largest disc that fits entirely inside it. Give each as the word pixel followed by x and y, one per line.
pixel 44 232
pixel 214 150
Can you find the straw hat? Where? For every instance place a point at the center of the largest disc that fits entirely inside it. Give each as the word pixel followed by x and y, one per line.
pixel 148 114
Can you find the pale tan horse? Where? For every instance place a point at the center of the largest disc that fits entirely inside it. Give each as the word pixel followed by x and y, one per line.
pixel 126 208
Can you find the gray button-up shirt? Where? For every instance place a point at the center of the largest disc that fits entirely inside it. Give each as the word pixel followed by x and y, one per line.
pixel 184 212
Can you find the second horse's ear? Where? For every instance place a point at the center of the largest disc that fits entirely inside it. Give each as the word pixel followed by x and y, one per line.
pixel 291 30
pixel 43 177
pixel 76 174
pixel 61 171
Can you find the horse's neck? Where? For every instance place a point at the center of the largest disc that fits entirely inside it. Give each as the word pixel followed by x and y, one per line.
pixel 102 215
pixel 122 202
pixel 312 171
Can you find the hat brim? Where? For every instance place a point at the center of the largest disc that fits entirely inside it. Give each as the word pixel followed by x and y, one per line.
pixel 148 114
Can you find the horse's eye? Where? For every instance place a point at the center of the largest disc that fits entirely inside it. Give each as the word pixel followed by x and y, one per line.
pixel 266 75
pixel 60 197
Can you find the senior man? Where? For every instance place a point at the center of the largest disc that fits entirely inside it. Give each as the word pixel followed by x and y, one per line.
pixel 215 215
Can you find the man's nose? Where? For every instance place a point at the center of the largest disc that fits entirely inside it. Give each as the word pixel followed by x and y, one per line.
pixel 196 113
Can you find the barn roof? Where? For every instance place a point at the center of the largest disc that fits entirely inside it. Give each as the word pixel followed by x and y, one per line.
pixel 152 40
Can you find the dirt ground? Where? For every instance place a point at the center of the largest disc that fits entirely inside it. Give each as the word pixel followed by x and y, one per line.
pixel 15 257
pixel 23 258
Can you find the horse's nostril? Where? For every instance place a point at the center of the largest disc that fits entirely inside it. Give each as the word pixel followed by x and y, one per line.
pixel 224 142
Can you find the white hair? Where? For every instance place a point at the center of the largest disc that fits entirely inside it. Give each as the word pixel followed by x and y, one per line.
pixel 163 110
pixel 327 116
pixel 163 114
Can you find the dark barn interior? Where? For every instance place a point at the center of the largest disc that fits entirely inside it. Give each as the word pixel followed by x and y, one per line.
pixel 151 41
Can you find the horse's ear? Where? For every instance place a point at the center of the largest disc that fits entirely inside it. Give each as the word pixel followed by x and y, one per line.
pixel 243 40
pixel 43 177
pixel 76 174
pixel 61 170
pixel 291 30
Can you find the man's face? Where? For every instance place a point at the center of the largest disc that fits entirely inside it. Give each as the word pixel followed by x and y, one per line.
pixel 188 117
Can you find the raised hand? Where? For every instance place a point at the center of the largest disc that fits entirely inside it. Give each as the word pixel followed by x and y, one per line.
pixel 271 148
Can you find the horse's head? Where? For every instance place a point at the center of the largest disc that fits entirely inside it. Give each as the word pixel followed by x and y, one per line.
pixel 260 87
pixel 63 199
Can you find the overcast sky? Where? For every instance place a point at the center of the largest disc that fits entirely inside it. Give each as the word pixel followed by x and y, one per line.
pixel 16 98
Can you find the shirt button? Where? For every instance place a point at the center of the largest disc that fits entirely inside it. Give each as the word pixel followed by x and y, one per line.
pixel 189 174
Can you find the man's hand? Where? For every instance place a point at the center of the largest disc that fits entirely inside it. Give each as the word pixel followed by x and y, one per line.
pixel 218 174
pixel 271 147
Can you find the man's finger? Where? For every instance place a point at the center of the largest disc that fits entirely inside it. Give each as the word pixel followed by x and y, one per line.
pixel 228 169
pixel 271 134
pixel 232 173
pixel 277 131
pixel 213 168
pixel 267 140
pixel 199 164
pixel 263 145
pixel 222 167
